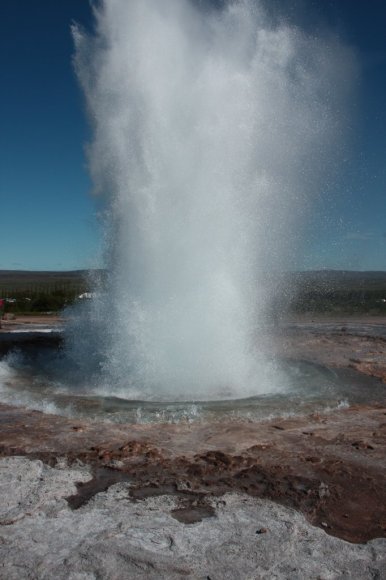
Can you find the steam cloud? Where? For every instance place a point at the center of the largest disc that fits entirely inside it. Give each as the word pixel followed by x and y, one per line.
pixel 211 134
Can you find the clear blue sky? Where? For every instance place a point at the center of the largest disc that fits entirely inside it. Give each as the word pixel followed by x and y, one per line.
pixel 47 214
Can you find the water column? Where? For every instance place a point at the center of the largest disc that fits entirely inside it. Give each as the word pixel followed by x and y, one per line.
pixel 211 132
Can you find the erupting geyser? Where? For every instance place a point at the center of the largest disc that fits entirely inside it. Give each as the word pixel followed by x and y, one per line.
pixel 211 127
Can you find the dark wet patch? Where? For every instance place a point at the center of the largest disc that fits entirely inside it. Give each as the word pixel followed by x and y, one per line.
pixel 143 492
pixel 103 478
pixel 192 514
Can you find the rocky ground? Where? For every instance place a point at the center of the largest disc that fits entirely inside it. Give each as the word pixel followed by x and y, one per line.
pixel 289 498
pixel 116 536
pixel 346 343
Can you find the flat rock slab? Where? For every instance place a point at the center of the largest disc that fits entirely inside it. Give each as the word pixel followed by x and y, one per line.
pixel 114 536
pixel 27 485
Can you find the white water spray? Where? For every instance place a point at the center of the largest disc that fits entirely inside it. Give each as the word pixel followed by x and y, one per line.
pixel 210 135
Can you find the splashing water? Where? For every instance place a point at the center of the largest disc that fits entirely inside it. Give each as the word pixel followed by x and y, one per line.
pixel 211 131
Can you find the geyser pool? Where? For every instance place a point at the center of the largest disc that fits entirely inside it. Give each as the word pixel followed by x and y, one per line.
pixel 32 376
pixel 212 129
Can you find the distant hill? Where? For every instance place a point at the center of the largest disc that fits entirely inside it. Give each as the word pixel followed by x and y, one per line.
pixel 22 276
pixel 339 279
pixel 23 279
pixel 42 291
pixel 325 278
pixel 335 291
pixel 331 291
